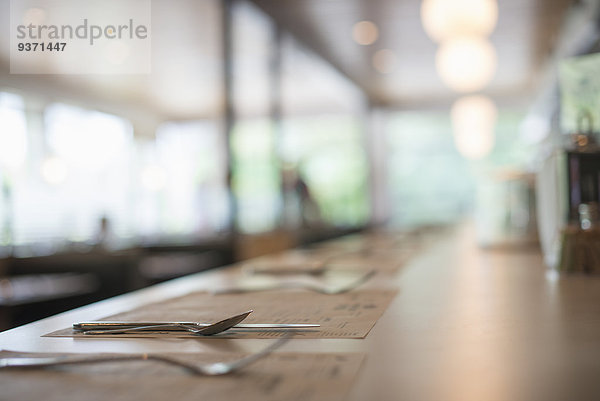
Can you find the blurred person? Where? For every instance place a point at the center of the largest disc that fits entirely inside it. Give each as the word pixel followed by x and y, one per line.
pixel 300 207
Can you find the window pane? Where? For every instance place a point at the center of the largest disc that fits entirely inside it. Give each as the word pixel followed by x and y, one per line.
pixel 256 175
pixel 83 177
pixel 13 156
pixel 328 155
pixel 194 196
pixel 323 139
pixel 430 181
pixel 13 134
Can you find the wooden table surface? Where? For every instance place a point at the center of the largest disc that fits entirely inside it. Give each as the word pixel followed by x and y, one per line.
pixel 467 324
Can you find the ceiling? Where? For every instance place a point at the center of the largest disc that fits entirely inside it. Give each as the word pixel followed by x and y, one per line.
pixel 186 79
pixel 186 67
pixel 524 39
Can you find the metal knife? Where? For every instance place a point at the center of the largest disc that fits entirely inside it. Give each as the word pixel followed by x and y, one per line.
pixel 109 325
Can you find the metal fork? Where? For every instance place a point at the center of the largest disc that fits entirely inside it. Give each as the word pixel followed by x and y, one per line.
pixel 208 330
pixel 211 369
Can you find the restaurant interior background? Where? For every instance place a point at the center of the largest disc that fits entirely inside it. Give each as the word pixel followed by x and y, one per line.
pixel 269 124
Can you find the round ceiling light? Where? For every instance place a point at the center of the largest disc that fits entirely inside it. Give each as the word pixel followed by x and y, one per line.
pixel 444 19
pixel 473 122
pixel 466 64
pixel 365 32
pixel 384 61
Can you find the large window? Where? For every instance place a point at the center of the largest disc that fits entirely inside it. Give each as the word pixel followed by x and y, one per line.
pixel 323 138
pixel 194 196
pixel 81 175
pixel 256 179
pixel 73 175
pixel 431 183
pixel 13 134
pixel 154 163
pixel 13 153
pixel 327 153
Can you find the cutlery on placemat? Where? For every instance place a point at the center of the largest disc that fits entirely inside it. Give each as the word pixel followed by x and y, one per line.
pixel 322 287
pixel 103 326
pixel 205 330
pixel 285 270
pixel 210 369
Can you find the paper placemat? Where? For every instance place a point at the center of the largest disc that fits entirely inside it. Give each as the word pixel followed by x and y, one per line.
pixel 279 376
pixel 383 261
pixel 347 315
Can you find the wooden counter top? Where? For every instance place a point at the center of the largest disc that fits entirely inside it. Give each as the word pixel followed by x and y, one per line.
pixel 467 324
